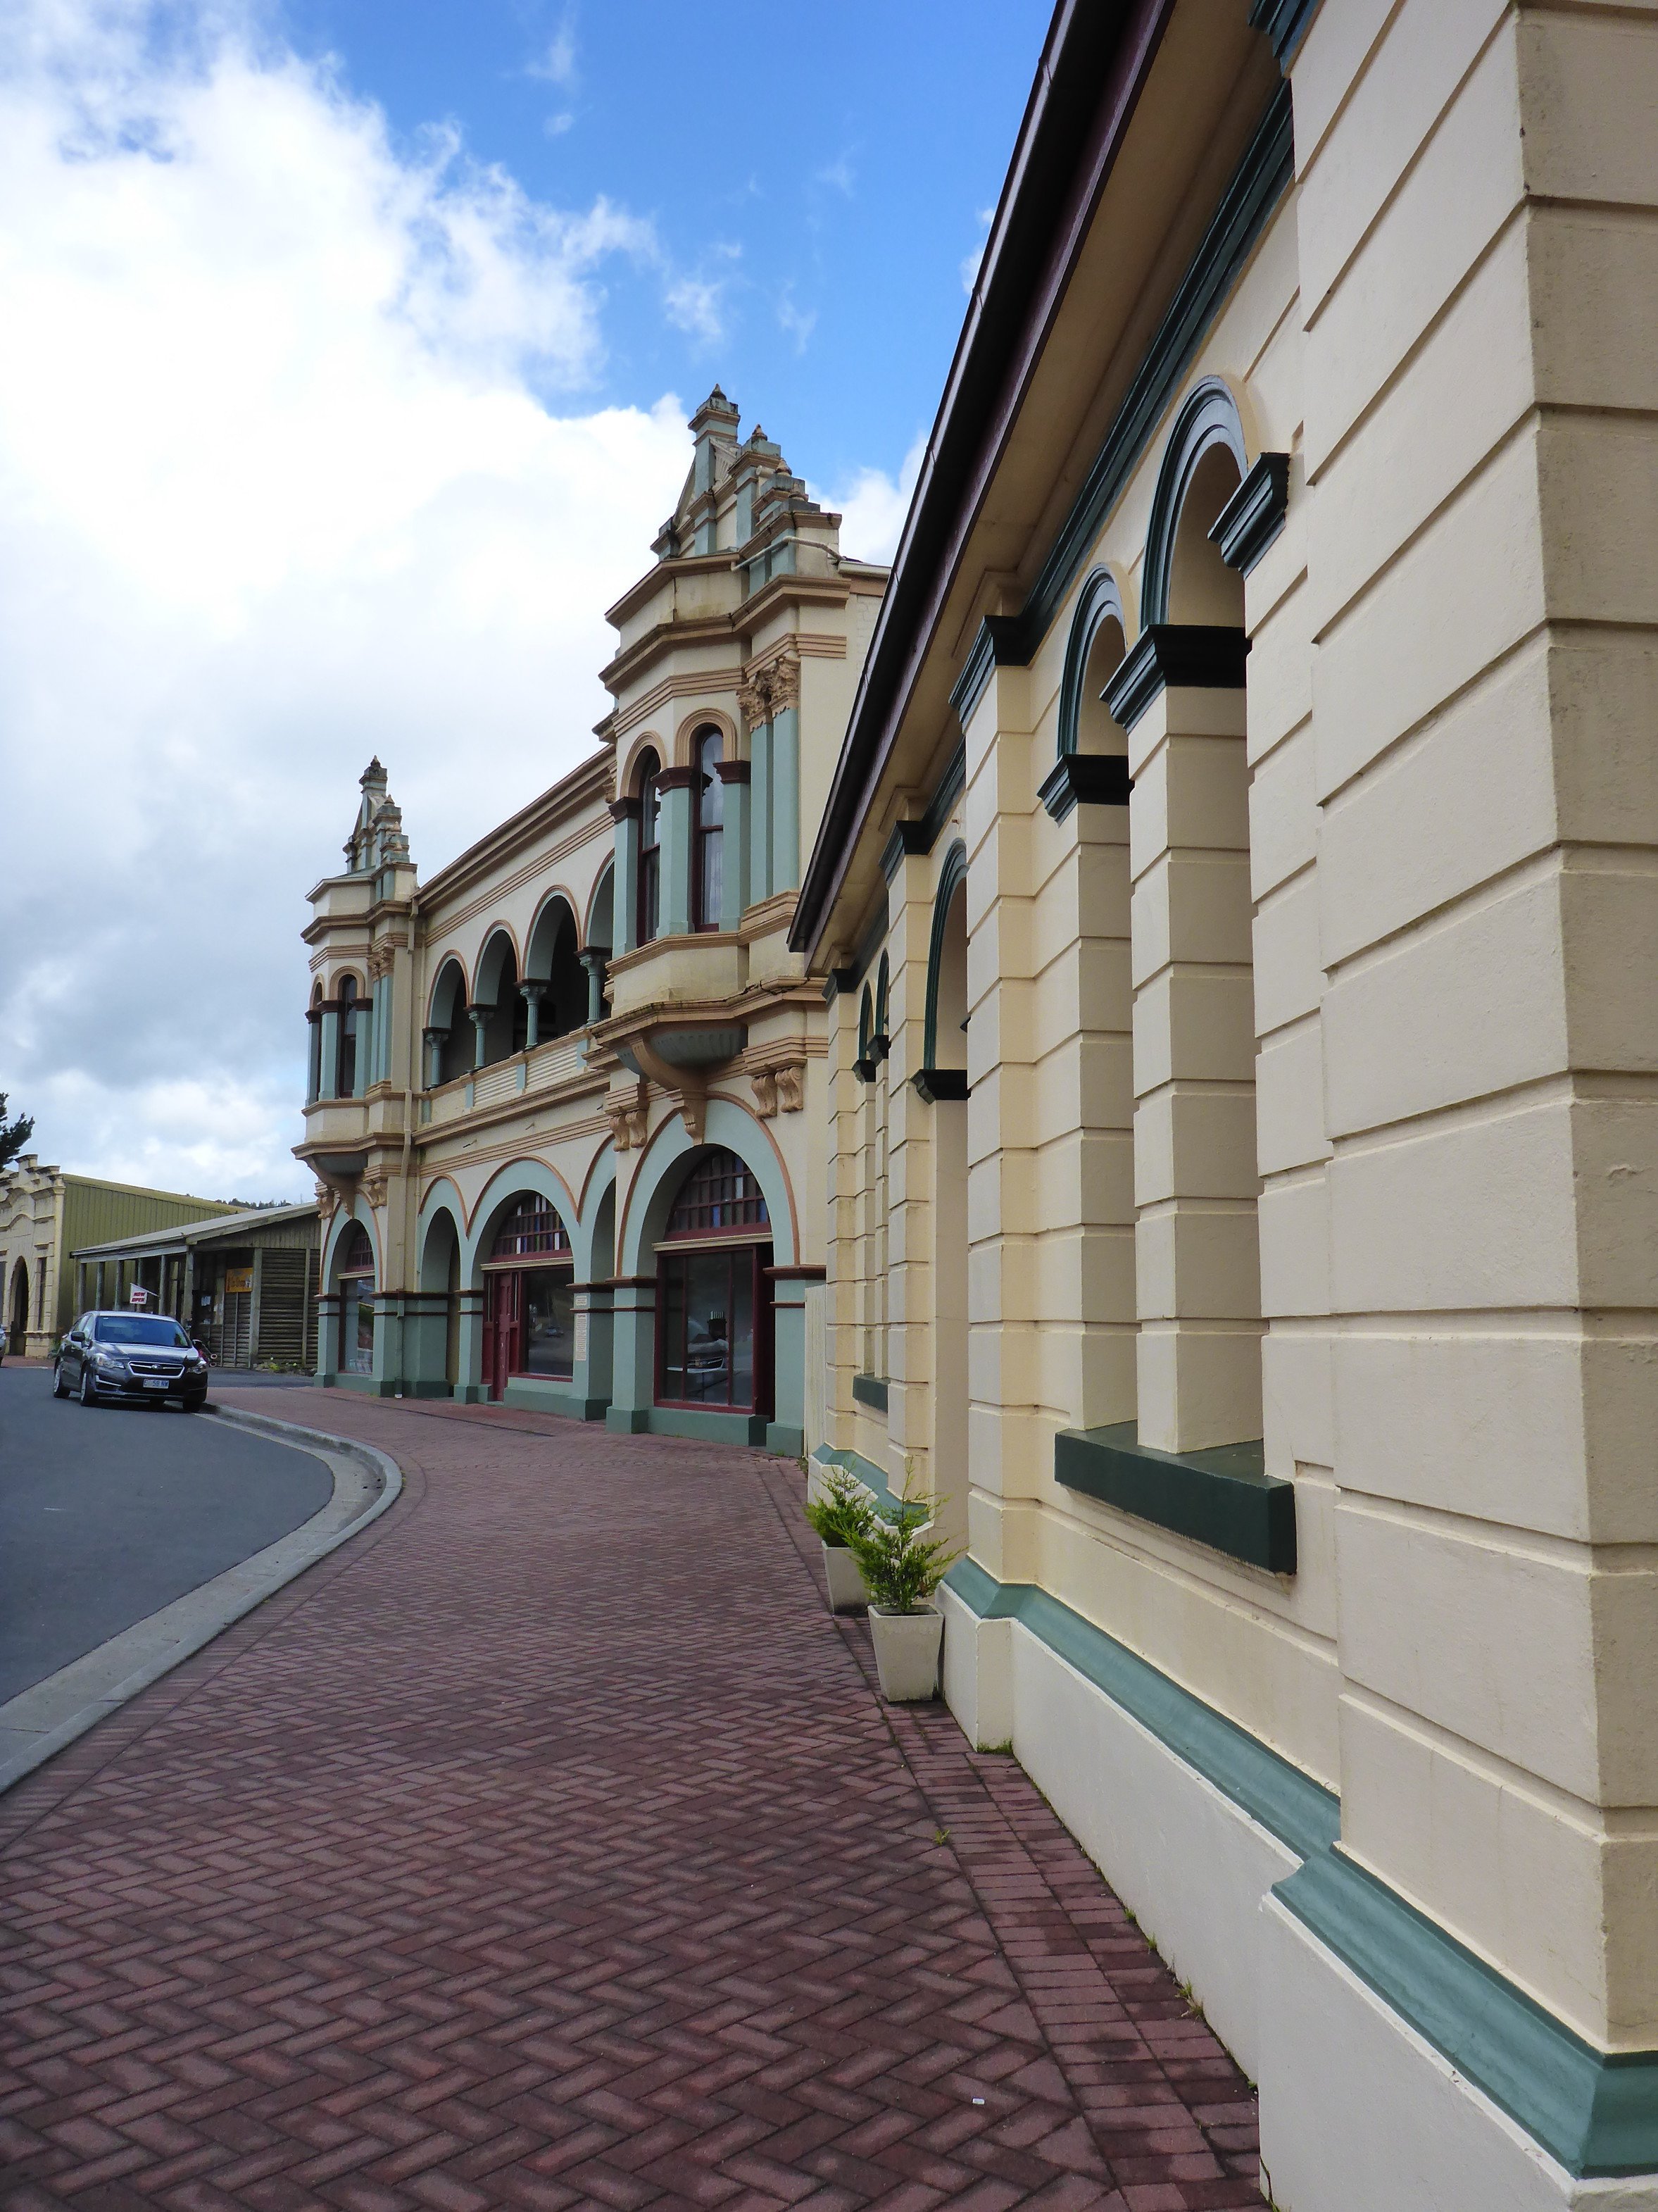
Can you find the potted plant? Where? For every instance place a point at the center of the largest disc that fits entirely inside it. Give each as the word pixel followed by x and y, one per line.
pixel 901 1568
pixel 839 1513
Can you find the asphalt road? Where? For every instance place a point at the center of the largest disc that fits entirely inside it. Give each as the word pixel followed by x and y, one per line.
pixel 108 1513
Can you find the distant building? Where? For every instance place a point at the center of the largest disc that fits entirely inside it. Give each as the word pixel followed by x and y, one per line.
pixel 563 1096
pixel 245 1282
pixel 45 1216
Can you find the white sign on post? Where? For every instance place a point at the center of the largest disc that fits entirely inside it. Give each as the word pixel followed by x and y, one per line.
pixel 137 1296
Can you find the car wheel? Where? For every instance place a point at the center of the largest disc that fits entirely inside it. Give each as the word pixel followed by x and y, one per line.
pixel 59 1387
pixel 85 1392
pixel 190 1405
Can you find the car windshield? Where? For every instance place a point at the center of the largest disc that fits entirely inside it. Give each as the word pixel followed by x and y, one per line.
pixel 138 1328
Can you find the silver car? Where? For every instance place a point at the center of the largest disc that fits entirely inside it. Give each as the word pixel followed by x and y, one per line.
pixel 135 1358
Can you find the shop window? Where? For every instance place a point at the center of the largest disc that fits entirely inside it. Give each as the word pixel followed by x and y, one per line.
pixel 354 1270
pixel 530 1296
pixel 707 832
pixel 714 1306
pixel 650 849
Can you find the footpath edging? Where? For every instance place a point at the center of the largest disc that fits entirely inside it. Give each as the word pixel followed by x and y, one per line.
pixel 44 1719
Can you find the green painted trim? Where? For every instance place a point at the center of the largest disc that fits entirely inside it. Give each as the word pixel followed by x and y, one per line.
pixel 1257 186
pixel 787 1443
pixel 865 1471
pixel 548 1397
pixel 628 1421
pixel 1099 602
pixel 932 1084
pixel 1207 417
pixel 1251 519
pixel 1597 2113
pixel 1223 1498
pixel 1085 779
pixel 1288 1803
pixel 710 1428
pixel 999 643
pixel 869 1390
pixel 1286 23
pixel 1174 657
pixel 366 1386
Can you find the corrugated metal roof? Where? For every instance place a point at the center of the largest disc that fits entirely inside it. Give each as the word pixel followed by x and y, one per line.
pixel 219 1227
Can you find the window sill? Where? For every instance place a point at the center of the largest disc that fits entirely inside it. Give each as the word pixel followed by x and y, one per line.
pixel 1223 1498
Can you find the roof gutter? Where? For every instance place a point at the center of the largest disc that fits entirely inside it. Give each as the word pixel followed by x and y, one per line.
pixel 1094 65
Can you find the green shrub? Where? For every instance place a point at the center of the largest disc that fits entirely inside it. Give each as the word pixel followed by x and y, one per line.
pixel 901 1569
pixel 841 1512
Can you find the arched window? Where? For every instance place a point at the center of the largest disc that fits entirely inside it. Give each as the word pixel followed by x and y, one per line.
pixel 707 832
pixel 448 1034
pixel 942 1073
pixel 713 1309
pixel 880 1037
pixel 720 1195
pixel 650 848
pixel 345 1071
pixel 533 1226
pixel 354 1268
pixel 529 1308
pixel 313 1046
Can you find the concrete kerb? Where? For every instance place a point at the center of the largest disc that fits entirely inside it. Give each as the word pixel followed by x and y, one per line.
pixel 43 1720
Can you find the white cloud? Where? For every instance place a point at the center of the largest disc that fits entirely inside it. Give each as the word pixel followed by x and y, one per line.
pixel 872 507
pixel 696 305
pixel 283 482
pixel 556 61
pixel 799 322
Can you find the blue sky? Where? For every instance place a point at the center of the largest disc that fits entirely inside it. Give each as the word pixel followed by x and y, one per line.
pixel 349 345
pixel 824 171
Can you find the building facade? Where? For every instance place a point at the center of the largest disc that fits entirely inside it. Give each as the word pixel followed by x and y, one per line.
pixel 561 1095
pixel 246 1283
pixel 45 1216
pixel 1238 894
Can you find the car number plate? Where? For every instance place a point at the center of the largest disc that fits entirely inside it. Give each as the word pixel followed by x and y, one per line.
pixel 158 1383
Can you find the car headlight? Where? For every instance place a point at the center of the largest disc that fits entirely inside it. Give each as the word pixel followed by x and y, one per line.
pixel 110 1359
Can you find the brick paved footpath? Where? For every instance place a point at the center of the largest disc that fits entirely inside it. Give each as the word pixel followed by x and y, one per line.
pixel 548 1846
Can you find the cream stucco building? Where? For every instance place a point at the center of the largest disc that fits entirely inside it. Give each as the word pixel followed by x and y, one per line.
pixel 1239 896
pixel 562 1093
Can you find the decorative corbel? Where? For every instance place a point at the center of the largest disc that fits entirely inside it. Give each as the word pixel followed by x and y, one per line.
pixel 765 1093
pixel 789 1080
pixel 688 1093
pixel 625 1112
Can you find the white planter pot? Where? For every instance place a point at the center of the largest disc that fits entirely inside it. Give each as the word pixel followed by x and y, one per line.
pixel 846 1582
pixel 907 1647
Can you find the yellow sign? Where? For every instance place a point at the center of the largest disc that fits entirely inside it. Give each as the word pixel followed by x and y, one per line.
pixel 237 1282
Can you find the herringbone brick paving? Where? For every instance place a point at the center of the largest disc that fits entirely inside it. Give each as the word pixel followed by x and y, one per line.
pixel 547 1847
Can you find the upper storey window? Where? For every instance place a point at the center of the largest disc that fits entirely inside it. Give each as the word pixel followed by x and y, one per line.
pixel 346 1083
pixel 707 832
pixel 650 849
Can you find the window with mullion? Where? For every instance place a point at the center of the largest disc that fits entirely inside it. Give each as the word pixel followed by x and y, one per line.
pixel 650 849
pixel 707 832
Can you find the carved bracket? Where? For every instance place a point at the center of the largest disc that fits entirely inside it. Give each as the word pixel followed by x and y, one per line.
pixel 625 1112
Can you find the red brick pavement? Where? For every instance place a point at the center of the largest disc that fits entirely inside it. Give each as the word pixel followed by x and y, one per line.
pixel 547 1847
